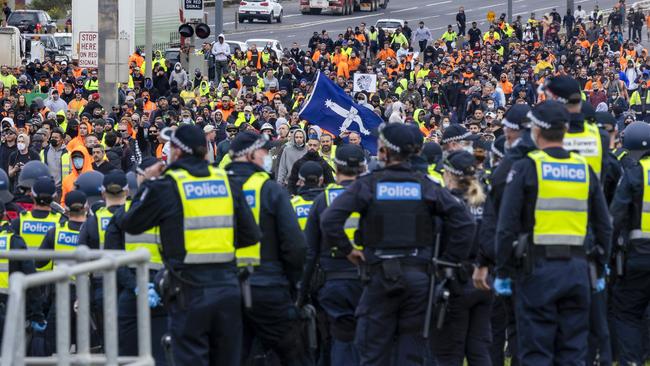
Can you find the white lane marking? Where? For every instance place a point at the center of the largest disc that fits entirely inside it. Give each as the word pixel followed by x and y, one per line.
pixel 291 35
pixel 440 3
pixel 403 10
pixel 423 18
pixel 488 6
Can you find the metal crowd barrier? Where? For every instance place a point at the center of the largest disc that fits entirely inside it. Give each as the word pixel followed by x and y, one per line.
pixel 88 261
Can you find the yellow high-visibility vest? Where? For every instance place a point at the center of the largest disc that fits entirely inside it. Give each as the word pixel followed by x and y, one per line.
pixel 562 199
pixel 5 245
pixel 302 208
pixel 644 231
pixel 352 223
pixel 588 144
pixel 250 256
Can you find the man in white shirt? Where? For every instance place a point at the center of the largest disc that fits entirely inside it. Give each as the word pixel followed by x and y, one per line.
pixel 221 53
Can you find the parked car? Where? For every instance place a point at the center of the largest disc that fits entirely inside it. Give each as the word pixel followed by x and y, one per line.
pixel 173 55
pixel 236 45
pixel 260 43
pixel 48 43
pixel 32 21
pixel 260 9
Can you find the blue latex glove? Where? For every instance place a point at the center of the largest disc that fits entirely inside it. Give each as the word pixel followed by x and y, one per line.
pixel 503 286
pixel 600 284
pixel 39 327
pixel 154 298
pixel 607 270
pixel 149 287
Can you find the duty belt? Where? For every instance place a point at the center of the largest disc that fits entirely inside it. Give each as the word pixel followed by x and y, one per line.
pixel 559 251
pixel 341 275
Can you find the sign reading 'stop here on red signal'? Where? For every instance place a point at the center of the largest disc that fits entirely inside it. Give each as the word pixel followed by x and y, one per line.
pixel 88 49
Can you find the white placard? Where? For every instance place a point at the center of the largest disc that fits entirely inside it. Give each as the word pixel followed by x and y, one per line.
pixel 88 49
pixel 365 82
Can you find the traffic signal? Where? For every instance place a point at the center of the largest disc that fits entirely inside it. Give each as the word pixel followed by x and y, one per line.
pixel 202 30
pixel 186 30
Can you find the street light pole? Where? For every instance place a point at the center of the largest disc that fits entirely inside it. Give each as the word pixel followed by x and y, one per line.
pixel 509 11
pixel 148 38
pixel 569 5
pixel 218 19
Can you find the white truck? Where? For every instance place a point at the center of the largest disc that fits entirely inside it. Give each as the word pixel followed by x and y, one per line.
pixel 341 7
pixel 11 45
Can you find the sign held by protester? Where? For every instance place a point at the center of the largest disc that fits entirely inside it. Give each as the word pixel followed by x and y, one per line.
pixel 365 82
pixel 88 49
pixel 330 108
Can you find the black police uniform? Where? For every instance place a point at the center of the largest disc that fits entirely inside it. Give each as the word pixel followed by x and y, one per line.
pixel 631 292
pixel 34 310
pixel 127 304
pixel 466 332
pixel 558 285
pixel 273 318
pixel 398 210
pixel 205 318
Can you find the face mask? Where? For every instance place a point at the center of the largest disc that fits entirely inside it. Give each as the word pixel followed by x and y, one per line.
pixel 469 149
pixel 20 146
pixel 490 106
pixel 533 136
pixel 187 119
pixel 445 125
pixel 522 82
pixel 94 78
pixel 268 163
pixel 54 143
pixel 78 163
pixel 178 68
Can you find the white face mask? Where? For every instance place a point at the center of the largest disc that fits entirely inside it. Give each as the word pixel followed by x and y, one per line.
pixel 533 136
pixel 187 119
pixel 20 146
pixel 469 149
pixel 445 125
pixel 268 163
pixel 78 163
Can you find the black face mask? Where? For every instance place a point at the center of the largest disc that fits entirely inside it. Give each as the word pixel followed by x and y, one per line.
pixel 54 142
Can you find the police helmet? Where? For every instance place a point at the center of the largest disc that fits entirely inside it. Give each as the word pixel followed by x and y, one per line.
pixel 30 172
pixel 5 194
pixel 636 138
pixel 90 183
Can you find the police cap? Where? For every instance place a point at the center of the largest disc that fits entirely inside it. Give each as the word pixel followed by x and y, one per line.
pixel 90 183
pixel 247 142
pixel 188 138
pixel 398 137
pixel 588 112
pixel 636 137
pixel 499 146
pixel 115 182
pixel 455 133
pixel 43 187
pixel 517 117
pixel 432 152
pixel 75 200
pixel 5 194
pixel 310 171
pixel 460 163
pixel 549 115
pixel 146 163
pixel 565 88
pixel 349 155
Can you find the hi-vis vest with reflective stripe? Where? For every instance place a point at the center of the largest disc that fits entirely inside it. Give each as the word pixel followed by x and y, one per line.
pixel 562 199
pixel 65 238
pixel 644 231
pixel 352 223
pixel 302 207
pixel 5 245
pixel 588 144
pixel 250 256
pixel 103 216
pixel 33 230
pixel 66 166
pixel 208 215
pixel 149 240
pixel 435 175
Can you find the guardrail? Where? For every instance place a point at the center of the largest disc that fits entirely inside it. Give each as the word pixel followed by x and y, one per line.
pixel 13 342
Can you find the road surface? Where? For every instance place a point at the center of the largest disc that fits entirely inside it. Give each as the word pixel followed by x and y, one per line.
pixel 436 14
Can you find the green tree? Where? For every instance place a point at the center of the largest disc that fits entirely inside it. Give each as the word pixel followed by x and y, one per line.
pixel 56 8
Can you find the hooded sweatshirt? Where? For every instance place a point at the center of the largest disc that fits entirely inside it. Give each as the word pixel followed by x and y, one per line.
pixel 291 153
pixel 68 181
pixel 79 141
pixel 180 76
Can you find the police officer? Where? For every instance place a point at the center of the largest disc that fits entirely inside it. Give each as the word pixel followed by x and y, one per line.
pixel 465 333
pixel 310 181
pixel 398 208
pixel 629 209
pixel 115 194
pixel 456 137
pixel 63 237
pixel 432 152
pixel 202 217
pixel 90 183
pixel 33 225
pixel 612 165
pixel 553 283
pixel 28 175
pixel 277 259
pixel 585 138
pixel 517 145
pixel 342 287
pixel 9 240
